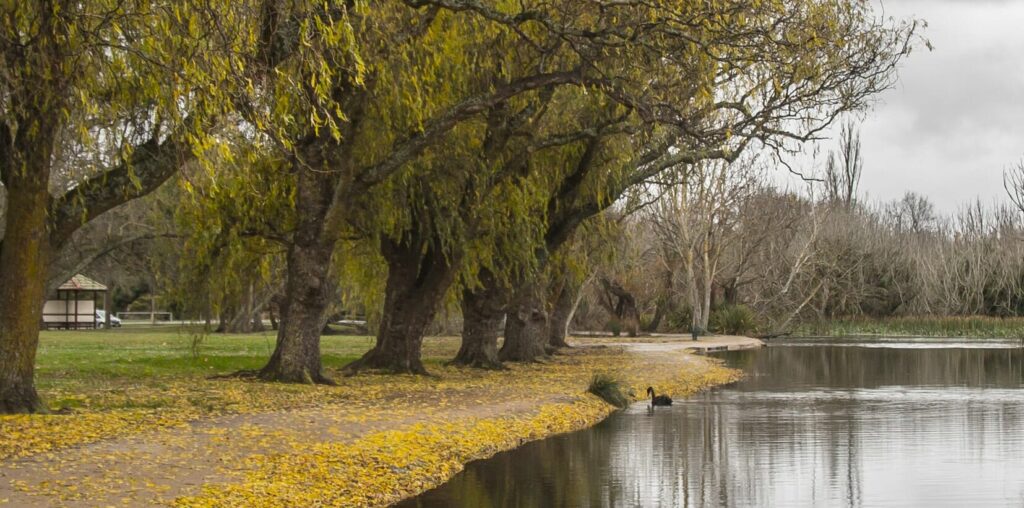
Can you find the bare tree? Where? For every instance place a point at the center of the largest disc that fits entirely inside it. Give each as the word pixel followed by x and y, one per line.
pixel 913 213
pixel 698 219
pixel 1013 182
pixel 843 169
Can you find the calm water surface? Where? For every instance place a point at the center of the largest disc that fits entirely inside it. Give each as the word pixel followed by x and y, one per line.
pixel 837 423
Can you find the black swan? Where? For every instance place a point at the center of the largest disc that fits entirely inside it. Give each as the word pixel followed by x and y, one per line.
pixel 659 400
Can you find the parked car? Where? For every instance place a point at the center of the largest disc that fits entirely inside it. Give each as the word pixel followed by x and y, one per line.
pixel 101 320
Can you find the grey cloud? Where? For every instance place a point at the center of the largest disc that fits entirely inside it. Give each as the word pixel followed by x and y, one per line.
pixel 956 118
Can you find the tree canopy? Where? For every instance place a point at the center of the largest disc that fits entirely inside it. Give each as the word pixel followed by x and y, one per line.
pixel 455 145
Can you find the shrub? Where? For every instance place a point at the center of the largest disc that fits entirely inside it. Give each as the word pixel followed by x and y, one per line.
pixel 679 319
pixel 196 340
pixel 733 320
pixel 609 389
pixel 615 326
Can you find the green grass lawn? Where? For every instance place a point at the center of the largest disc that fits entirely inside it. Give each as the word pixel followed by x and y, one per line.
pixel 143 352
pixel 151 354
pixel 142 366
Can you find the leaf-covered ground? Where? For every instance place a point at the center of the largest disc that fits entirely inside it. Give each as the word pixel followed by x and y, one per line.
pixel 147 427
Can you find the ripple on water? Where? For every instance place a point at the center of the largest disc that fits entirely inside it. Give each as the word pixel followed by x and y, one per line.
pixel 828 425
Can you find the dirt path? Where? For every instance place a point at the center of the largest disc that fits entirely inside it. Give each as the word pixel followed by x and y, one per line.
pixel 679 342
pixel 157 467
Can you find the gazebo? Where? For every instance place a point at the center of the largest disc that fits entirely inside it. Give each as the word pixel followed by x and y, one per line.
pixel 75 304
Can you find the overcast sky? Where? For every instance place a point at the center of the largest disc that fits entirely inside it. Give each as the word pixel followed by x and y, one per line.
pixel 956 117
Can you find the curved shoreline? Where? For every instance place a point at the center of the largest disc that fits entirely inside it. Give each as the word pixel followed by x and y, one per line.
pixel 420 458
pixel 370 442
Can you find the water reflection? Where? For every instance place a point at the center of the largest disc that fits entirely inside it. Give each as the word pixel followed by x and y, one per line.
pixel 821 426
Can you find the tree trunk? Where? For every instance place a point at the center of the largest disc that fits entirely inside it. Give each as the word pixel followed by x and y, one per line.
pixel 224 317
pixel 152 307
pixel 242 322
pixel 23 268
pixel 244 318
pixel 526 326
pixel 730 292
pixel 272 310
pixel 625 310
pixel 706 313
pixel 418 279
pixel 576 304
pixel 207 314
pixel 659 314
pixel 483 309
pixel 629 315
pixel 233 320
pixel 561 313
pixel 296 357
pixel 106 305
pixel 273 320
pixel 665 302
pixel 25 157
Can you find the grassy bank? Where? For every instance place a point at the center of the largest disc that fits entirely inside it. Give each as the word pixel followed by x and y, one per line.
pixel 917 326
pixel 369 441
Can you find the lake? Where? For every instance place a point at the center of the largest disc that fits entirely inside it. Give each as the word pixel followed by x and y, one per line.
pixel 815 423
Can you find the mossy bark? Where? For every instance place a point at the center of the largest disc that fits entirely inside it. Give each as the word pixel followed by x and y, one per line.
pixel 483 310
pixel 418 277
pixel 296 357
pixel 526 326
pixel 22 280
pixel 24 260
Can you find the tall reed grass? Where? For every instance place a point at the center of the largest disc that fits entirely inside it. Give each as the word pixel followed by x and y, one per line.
pixel 917 326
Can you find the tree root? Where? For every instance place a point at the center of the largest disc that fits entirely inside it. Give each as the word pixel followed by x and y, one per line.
pixel 238 374
pixel 477 363
pixel 23 402
pixel 371 361
pixel 318 379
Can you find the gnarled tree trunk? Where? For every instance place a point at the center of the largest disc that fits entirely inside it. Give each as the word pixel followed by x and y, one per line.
pixel 418 278
pixel 483 310
pixel 526 326
pixel 659 314
pixel 625 309
pixel 296 357
pixel 561 312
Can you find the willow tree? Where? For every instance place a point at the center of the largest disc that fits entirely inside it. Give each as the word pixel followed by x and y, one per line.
pixel 768 73
pixel 445 202
pixel 376 87
pixel 111 96
pixel 232 226
pixel 369 89
pixel 442 214
pixel 462 211
pixel 621 61
pixel 519 136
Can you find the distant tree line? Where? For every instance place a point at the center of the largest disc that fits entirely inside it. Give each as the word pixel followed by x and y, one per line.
pixel 725 237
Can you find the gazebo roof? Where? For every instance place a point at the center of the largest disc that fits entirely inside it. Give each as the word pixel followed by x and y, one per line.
pixel 82 283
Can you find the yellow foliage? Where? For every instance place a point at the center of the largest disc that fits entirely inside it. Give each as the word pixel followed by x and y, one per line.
pixel 378 439
pixel 384 467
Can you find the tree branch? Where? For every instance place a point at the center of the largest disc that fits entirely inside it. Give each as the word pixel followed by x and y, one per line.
pixel 150 165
